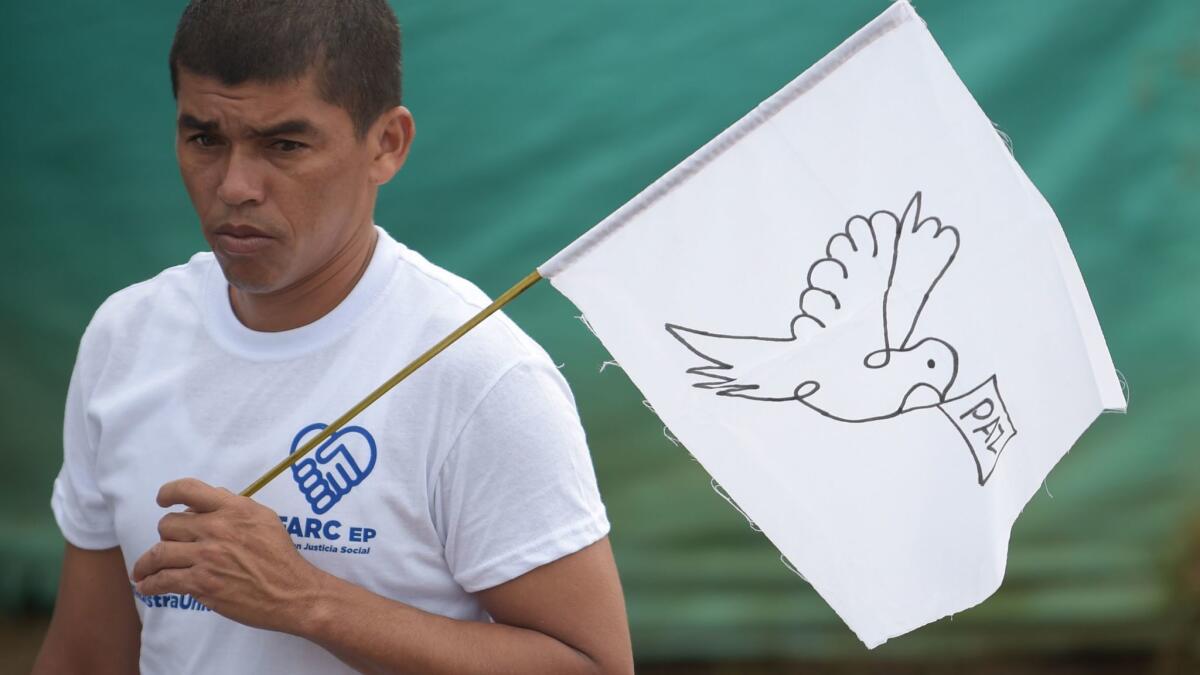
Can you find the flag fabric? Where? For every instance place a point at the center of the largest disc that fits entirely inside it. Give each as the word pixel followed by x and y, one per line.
pixel 862 318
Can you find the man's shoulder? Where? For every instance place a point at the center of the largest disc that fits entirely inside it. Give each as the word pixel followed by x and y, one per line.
pixel 448 301
pixel 175 291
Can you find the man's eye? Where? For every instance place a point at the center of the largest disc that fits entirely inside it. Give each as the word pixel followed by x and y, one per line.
pixel 284 145
pixel 202 140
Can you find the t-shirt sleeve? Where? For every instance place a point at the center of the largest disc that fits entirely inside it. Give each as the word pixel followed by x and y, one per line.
pixel 517 489
pixel 80 508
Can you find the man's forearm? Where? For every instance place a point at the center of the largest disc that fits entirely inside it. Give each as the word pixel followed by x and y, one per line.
pixel 374 634
pixel 572 606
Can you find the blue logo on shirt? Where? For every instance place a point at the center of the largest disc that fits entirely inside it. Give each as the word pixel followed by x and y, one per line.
pixel 335 467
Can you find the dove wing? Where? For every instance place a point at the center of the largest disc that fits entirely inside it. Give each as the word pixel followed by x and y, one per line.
pixel 924 249
pixel 858 301
pixel 849 284
pixel 842 303
pixel 842 311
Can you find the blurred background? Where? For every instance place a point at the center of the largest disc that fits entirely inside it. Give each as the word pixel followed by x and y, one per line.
pixel 535 120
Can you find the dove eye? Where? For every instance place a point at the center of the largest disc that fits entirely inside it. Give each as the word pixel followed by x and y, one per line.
pixel 930 363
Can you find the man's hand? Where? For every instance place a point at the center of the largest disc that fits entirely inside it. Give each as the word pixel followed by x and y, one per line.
pixel 230 553
pixel 233 554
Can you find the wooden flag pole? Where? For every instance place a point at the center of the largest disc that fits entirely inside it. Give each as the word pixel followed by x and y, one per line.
pixel 384 388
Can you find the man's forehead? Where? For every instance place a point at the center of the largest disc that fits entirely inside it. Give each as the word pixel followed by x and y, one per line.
pixel 206 102
pixel 190 84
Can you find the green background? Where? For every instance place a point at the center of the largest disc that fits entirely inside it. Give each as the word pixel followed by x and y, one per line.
pixel 535 120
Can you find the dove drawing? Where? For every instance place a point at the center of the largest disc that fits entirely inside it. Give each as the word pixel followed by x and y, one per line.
pixel 854 353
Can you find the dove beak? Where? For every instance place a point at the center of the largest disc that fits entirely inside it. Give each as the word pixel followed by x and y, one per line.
pixel 921 396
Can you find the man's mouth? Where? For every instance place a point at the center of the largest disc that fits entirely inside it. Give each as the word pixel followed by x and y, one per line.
pixel 240 240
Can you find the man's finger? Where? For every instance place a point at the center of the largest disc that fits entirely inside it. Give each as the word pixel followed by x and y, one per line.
pixel 163 556
pixel 167 581
pixel 180 527
pixel 195 494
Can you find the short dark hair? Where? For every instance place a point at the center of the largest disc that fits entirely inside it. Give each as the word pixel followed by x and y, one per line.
pixel 354 44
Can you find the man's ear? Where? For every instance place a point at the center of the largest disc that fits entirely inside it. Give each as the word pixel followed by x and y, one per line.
pixel 390 138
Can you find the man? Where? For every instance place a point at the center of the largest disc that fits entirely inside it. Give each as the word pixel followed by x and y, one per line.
pixel 455 527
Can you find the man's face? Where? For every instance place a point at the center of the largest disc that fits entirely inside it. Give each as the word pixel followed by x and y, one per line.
pixel 276 174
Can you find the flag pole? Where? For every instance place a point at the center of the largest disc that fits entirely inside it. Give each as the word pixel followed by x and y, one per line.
pixel 384 388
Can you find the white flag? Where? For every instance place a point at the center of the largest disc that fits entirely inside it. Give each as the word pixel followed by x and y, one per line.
pixel 860 316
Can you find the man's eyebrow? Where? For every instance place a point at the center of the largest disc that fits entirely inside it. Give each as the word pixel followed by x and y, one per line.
pixel 295 127
pixel 189 122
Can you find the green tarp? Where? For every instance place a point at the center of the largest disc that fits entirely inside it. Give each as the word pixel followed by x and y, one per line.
pixel 536 119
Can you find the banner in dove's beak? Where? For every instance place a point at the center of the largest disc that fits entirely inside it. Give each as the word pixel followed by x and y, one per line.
pixel 846 306
pixel 982 419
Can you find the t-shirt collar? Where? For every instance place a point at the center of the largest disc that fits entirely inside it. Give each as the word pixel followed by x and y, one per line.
pixel 231 334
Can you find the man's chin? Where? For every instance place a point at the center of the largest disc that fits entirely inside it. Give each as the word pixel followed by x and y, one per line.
pixel 248 278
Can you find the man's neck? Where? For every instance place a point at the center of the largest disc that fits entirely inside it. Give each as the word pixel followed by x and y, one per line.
pixel 311 298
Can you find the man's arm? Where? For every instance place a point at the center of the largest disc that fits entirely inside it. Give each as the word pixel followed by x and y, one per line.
pixel 95 627
pixel 564 617
pixel 233 555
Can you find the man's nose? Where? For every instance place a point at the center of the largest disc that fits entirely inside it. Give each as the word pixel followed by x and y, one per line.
pixel 242 182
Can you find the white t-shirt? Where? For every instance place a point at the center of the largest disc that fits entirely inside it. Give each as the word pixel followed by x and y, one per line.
pixel 468 474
